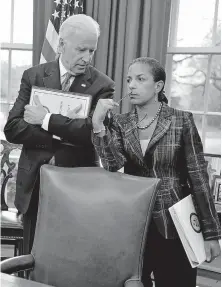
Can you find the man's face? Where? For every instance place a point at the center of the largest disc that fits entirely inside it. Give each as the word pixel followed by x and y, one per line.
pixel 77 51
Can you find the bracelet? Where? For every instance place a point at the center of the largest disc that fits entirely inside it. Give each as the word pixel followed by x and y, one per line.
pixel 99 131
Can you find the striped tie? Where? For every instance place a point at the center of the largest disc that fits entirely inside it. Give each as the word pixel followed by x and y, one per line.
pixel 66 82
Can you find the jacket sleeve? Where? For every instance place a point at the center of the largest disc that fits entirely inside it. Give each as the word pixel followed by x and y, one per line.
pixel 197 170
pixel 18 131
pixel 110 148
pixel 77 131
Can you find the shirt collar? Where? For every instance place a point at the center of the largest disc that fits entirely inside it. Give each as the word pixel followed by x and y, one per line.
pixel 62 69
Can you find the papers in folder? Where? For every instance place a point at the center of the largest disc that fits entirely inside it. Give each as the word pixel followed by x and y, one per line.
pixel 59 102
pixel 185 219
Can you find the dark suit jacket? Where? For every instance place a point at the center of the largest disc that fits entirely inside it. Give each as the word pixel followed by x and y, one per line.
pixel 38 144
pixel 174 154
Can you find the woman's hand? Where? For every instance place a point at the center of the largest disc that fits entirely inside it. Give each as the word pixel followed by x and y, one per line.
pixel 212 249
pixel 102 107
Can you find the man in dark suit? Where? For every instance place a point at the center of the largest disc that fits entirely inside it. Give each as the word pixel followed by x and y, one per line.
pixel 53 138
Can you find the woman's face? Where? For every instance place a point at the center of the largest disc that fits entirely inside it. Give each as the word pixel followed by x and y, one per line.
pixel 141 85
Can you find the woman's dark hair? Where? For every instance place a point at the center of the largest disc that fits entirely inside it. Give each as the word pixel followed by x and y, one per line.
pixel 157 71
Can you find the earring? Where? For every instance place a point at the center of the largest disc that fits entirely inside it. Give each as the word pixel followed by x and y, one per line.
pixel 156 97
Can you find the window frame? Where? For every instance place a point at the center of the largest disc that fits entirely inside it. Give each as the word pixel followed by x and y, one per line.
pixel 172 50
pixel 10 46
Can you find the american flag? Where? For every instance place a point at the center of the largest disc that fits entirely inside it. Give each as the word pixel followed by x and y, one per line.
pixel 62 10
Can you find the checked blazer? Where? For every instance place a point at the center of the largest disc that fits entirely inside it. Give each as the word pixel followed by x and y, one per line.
pixel 174 154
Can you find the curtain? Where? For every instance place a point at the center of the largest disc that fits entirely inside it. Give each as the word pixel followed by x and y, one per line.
pixel 42 11
pixel 129 29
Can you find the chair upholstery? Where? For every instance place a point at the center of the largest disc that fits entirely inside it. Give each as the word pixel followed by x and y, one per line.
pixel 91 228
pixel 98 221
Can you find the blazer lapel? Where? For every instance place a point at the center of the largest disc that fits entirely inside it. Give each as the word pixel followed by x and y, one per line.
pixel 81 83
pixel 162 126
pixel 52 76
pixel 132 136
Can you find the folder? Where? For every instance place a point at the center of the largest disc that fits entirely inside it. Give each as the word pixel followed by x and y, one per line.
pixel 185 219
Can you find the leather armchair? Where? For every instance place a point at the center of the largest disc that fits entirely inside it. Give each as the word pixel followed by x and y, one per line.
pixel 91 228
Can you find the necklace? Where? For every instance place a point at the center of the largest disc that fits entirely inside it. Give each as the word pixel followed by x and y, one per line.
pixel 150 123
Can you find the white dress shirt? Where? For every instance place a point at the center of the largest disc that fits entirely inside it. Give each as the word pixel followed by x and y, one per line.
pixel 63 71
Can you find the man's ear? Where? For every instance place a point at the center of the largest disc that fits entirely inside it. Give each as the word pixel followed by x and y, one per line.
pixel 61 46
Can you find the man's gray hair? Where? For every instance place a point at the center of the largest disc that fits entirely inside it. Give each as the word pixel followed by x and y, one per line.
pixel 77 23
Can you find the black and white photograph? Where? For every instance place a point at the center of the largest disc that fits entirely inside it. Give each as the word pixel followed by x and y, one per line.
pixel 110 143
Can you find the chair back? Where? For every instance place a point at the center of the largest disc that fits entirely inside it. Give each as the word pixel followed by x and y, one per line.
pixel 91 227
pixel 9 163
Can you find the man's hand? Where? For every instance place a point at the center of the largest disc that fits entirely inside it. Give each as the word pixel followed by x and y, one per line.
pixel 35 114
pixel 212 249
pixel 73 114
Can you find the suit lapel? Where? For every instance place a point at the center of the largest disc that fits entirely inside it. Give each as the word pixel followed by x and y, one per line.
pixel 162 126
pixel 52 76
pixel 52 79
pixel 81 83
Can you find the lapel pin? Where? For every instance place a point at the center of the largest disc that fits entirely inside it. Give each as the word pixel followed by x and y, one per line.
pixel 83 85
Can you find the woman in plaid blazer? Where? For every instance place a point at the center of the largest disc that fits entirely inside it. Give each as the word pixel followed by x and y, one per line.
pixel 155 140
